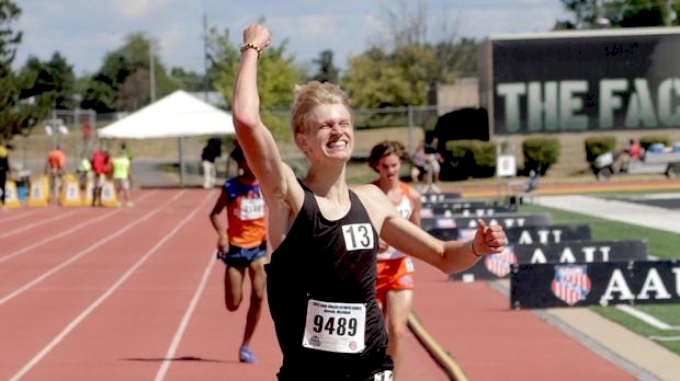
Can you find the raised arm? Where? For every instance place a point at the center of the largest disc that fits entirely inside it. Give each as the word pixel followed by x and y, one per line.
pixel 450 256
pixel 255 139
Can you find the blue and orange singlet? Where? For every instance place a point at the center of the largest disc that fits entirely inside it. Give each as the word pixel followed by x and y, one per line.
pixel 245 214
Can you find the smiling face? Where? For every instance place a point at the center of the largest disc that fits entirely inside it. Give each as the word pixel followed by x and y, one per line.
pixel 328 133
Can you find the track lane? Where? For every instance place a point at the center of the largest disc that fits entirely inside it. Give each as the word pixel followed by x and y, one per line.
pixel 66 292
pixel 131 324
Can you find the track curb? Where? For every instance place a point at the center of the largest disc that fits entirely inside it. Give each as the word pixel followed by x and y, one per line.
pixel 453 371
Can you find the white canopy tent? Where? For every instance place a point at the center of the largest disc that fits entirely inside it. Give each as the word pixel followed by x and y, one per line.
pixel 176 115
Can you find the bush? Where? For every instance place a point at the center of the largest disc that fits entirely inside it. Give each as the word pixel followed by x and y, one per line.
pixel 468 158
pixel 597 145
pixel 648 140
pixel 540 154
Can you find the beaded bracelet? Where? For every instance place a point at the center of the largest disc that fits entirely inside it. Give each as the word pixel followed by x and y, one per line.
pixel 258 49
pixel 472 247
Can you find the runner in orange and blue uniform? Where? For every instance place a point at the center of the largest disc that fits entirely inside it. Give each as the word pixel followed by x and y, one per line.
pixel 242 245
pixel 394 286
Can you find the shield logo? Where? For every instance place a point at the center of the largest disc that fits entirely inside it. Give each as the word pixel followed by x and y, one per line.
pixel 571 283
pixel 500 264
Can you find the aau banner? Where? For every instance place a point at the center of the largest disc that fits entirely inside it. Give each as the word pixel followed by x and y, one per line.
pixel 543 285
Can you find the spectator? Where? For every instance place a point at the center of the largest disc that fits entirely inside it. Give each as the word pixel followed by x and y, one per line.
pixel 420 163
pixel 4 169
pixel 84 172
pixel 99 167
pixel 122 177
pixel 633 153
pixel 55 166
pixel 211 151
pixel 434 158
pixel 633 150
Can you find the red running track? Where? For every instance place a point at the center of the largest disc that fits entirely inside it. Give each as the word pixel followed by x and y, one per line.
pixel 474 324
pixel 129 294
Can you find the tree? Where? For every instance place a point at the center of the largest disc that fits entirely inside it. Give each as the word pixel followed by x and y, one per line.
pixel 277 74
pixel 415 61
pixel 53 82
pixel 108 90
pixel 373 81
pixel 189 80
pixel 327 70
pixel 101 91
pixel 17 114
pixel 618 13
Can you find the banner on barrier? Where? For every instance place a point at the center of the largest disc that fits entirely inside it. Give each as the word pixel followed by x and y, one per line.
pixel 38 193
pixel 473 211
pixel 498 266
pixel 440 197
pixel 554 233
pixel 506 220
pixel 11 195
pixel 70 192
pixel 545 285
pixel 109 198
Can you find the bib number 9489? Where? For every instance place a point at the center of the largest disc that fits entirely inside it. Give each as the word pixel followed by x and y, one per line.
pixel 335 327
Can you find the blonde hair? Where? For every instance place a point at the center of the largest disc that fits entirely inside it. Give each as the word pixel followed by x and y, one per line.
pixel 310 95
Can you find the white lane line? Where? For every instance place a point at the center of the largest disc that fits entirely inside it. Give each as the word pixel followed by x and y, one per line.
pixel 74 323
pixel 82 253
pixel 647 318
pixel 60 235
pixel 38 223
pixel 20 216
pixel 177 338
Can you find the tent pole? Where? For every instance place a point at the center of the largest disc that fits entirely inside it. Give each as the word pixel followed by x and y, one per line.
pixel 181 161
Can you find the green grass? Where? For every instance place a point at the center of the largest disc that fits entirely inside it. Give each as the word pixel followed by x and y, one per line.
pixel 661 244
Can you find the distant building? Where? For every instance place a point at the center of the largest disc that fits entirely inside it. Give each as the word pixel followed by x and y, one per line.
pixel 462 94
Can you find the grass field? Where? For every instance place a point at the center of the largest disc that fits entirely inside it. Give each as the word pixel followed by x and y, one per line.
pixel 663 245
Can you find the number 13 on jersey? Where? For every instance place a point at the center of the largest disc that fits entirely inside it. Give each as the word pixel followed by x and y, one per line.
pixel 358 236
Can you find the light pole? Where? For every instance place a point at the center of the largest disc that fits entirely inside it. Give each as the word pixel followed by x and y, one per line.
pixel 152 72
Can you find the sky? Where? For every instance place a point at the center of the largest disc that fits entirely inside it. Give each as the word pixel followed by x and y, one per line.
pixel 84 31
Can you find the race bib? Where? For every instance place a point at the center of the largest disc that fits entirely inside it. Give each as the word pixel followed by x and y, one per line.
pixel 251 209
pixel 335 327
pixel 358 236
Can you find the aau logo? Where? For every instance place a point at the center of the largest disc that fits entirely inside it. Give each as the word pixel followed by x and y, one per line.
pixel 571 283
pixel 501 263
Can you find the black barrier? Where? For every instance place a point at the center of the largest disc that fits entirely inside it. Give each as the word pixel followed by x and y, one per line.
pixel 459 204
pixel 441 197
pixel 500 265
pixel 479 211
pixel 543 285
pixel 506 220
pixel 549 234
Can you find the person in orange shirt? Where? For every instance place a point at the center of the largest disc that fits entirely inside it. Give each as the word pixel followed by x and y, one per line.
pixel 394 286
pixel 55 166
pixel 242 245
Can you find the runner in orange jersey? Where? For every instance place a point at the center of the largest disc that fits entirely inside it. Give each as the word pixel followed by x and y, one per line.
pixel 395 268
pixel 242 245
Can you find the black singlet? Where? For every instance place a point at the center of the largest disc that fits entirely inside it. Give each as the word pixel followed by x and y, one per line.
pixel 327 261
